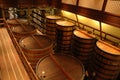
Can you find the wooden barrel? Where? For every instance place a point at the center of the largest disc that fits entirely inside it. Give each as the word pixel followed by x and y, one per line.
pixel 64 35
pixel 20 31
pixel 83 45
pixel 51 26
pixel 12 22
pixel 35 47
pixel 60 67
pixel 23 21
pixel 106 62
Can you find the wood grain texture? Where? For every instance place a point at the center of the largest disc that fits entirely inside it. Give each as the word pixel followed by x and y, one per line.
pixel 10 63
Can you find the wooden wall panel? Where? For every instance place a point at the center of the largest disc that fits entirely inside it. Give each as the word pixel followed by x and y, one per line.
pixel 68 7
pixel 40 3
pixel 90 13
pixel 55 3
pixel 8 3
pixel 100 16
pixel 71 2
pixel 111 19
pixel 25 3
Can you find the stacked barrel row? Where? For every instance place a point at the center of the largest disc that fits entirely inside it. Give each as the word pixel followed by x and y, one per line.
pixel 12 22
pixel 51 26
pixel 64 36
pixel 83 45
pixel 100 59
pixel 106 61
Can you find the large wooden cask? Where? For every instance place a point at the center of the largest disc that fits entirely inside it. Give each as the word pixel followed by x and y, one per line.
pixel 12 22
pixel 60 67
pixel 64 36
pixel 35 47
pixel 83 45
pixel 20 31
pixel 106 62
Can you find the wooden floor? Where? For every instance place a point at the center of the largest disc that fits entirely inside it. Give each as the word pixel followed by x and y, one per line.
pixel 11 67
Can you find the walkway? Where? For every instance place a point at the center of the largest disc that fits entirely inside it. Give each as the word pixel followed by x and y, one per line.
pixel 11 67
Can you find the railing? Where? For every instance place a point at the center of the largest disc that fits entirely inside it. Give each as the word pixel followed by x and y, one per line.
pixel 26 64
pixel 79 25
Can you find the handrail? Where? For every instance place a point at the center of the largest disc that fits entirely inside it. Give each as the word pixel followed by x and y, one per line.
pixel 84 25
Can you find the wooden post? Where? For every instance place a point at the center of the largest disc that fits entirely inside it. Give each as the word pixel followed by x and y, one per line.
pixel 100 29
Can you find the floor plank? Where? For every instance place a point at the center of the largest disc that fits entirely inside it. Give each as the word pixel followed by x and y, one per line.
pixel 10 63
